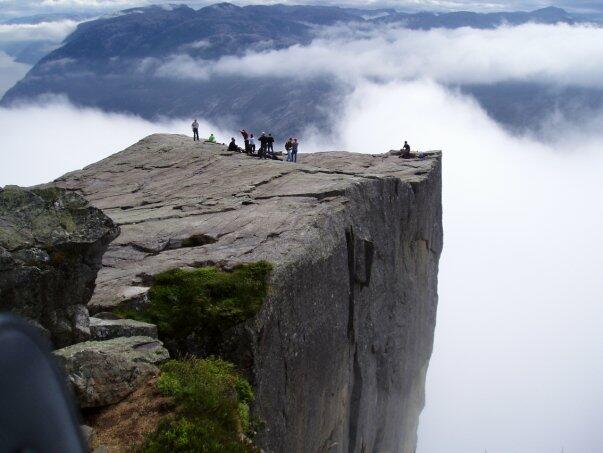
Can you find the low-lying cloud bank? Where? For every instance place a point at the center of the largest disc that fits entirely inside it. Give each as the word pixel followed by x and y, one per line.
pixel 43 31
pixel 40 142
pixel 556 54
pixel 516 365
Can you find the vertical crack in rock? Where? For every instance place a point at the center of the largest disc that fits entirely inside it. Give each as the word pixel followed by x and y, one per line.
pixel 349 237
pixel 360 259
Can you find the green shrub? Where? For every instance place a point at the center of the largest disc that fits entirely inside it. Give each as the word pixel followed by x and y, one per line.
pixel 213 408
pixel 203 303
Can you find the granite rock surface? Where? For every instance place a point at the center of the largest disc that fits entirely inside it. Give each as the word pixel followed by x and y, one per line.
pixel 339 351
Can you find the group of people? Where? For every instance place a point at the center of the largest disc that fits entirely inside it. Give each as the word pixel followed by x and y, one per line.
pixel 266 149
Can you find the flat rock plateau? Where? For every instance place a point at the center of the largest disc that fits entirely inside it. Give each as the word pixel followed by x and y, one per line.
pixel 338 353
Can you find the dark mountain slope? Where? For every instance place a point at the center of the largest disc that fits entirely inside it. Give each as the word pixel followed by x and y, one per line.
pixel 112 62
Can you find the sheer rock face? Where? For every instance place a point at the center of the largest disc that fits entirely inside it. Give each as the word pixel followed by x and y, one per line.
pixel 51 246
pixel 339 351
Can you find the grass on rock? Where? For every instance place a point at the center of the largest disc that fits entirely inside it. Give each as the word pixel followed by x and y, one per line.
pixel 213 415
pixel 200 305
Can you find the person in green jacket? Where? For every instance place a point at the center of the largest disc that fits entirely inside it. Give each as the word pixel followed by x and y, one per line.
pixel 211 138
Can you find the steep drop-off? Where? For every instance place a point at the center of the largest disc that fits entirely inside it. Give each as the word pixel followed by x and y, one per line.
pixel 339 350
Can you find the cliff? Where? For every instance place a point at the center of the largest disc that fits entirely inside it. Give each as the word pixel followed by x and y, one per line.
pixel 338 352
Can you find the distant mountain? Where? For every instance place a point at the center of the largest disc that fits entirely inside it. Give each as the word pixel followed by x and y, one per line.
pixel 105 62
pixel 426 21
pixel 30 51
pixel 40 18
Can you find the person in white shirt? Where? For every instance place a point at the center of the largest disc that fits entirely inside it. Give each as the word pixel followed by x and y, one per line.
pixel 195 126
pixel 252 143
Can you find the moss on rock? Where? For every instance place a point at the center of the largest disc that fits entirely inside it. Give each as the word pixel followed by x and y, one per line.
pixel 193 308
pixel 213 408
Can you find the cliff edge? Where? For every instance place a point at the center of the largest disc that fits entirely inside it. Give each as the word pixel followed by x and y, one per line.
pixel 338 352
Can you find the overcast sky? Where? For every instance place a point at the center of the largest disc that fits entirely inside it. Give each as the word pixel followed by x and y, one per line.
pixel 25 7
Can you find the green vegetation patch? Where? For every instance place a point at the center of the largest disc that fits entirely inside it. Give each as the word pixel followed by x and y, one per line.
pixel 213 415
pixel 200 305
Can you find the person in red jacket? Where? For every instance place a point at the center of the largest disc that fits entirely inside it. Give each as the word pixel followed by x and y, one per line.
pixel 245 135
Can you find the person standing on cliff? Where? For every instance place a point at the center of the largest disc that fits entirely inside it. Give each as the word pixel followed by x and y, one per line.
pixel 270 143
pixel 288 145
pixel 245 139
pixel 294 147
pixel 195 127
pixel 263 145
pixel 251 144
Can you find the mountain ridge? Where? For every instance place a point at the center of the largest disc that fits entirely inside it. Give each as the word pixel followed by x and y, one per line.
pixel 112 63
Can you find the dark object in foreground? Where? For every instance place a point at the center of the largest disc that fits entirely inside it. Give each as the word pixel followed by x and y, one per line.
pixel 37 413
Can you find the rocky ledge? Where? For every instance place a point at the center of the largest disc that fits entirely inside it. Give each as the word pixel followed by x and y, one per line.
pixel 338 352
pixel 51 245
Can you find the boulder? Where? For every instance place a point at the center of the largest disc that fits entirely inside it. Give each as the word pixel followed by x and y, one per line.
pixel 106 329
pixel 51 246
pixel 105 372
pixel 136 349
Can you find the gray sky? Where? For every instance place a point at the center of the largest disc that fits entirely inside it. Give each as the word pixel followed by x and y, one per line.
pixel 26 7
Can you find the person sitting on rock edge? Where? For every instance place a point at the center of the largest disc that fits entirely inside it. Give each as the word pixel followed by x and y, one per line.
pixel 211 138
pixel 405 151
pixel 195 127
pixel 233 145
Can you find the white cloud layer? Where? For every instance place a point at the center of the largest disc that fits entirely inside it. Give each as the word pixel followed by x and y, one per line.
pixel 561 54
pixel 40 142
pixel 517 359
pixel 516 365
pixel 43 31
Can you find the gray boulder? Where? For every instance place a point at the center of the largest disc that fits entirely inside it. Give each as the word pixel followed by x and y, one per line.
pixel 106 329
pixel 51 245
pixel 105 372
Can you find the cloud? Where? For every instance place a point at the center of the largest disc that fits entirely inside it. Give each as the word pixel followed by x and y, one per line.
pixel 558 54
pixel 516 363
pixel 42 141
pixel 10 72
pixel 43 31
